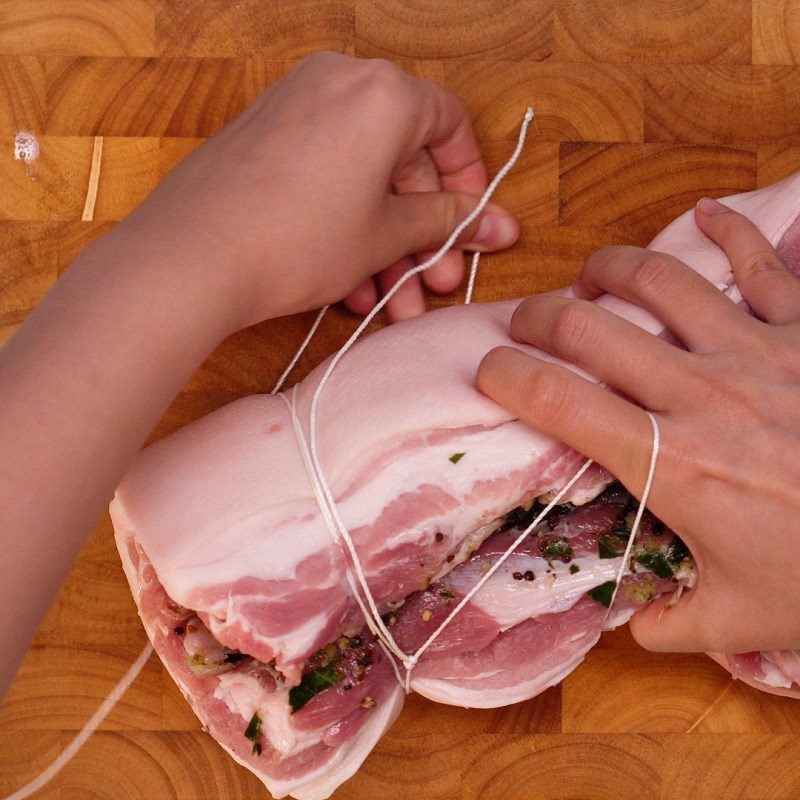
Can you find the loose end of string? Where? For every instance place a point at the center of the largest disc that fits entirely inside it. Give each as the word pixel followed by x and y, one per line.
pixel 88 729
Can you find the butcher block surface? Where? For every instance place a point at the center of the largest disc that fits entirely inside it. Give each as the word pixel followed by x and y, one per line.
pixel 642 108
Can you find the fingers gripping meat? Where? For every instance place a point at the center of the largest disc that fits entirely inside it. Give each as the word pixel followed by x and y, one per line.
pixel 219 530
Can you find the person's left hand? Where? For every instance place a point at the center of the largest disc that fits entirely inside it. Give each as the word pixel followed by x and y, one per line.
pixel 728 406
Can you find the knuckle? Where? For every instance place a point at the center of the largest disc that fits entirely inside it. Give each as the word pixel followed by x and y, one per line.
pixel 315 60
pixel 571 327
pixel 382 80
pixel 651 273
pixel 412 173
pixel 552 393
pixel 761 264
pixel 448 216
pixel 522 316
pixel 679 456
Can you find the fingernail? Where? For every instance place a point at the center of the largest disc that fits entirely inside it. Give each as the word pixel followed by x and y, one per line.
pixel 496 230
pixel 708 205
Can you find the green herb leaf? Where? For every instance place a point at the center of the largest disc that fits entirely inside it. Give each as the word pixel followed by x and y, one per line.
pixel 603 593
pixel 557 550
pixel 253 732
pixel 655 559
pixel 573 569
pixel 622 533
pixel 446 593
pixel 456 457
pixel 677 551
pixel 606 549
pixel 312 684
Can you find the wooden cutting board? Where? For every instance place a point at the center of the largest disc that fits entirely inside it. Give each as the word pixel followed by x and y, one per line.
pixel 643 106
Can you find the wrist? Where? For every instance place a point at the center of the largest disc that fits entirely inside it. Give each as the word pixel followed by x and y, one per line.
pixel 173 277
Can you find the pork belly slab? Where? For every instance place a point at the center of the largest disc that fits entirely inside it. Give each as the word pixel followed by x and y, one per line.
pixel 244 592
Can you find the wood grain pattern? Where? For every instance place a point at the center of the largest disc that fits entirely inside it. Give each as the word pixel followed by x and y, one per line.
pixel 142 97
pixel 672 31
pixel 643 106
pixel 752 104
pixel 280 29
pixel 641 188
pixel 85 27
pixel 573 102
pixel 776 32
pixel 521 29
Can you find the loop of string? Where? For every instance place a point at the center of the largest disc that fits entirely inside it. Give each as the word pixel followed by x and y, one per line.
pixel 340 532
pixel 324 494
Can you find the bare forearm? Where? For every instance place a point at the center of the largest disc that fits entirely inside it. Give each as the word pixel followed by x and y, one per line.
pixel 81 385
pixel 268 217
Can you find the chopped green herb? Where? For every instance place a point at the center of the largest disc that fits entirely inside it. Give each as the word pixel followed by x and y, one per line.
pixel 677 551
pixel 446 593
pixel 253 732
pixel 456 457
pixel 606 549
pixel 557 550
pixel 642 591
pixel 621 533
pixel 312 684
pixel 330 653
pixel 603 593
pixel 521 516
pixel 574 568
pixel 655 559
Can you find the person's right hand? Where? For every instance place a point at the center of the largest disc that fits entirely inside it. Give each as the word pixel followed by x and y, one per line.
pixel 728 474
pixel 341 171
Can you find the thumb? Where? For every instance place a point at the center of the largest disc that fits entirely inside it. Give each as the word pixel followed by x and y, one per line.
pixel 424 220
pixel 676 628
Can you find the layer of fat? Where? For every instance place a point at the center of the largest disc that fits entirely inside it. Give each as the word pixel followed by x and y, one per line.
pixel 249 544
pixel 774 676
pixel 288 648
pixel 322 782
pixel 554 589
pixel 245 695
pixel 487 696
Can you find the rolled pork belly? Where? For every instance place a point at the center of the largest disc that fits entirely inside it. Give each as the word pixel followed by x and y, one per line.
pixel 247 595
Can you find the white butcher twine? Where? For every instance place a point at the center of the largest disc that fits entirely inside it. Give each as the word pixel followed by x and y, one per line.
pixel 327 502
pixel 331 515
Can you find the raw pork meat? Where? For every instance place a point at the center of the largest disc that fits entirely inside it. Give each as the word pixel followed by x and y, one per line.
pixel 244 592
